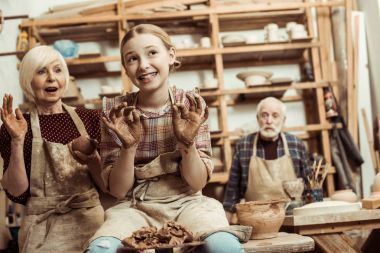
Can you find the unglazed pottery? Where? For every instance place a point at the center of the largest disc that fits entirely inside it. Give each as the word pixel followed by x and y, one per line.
pixel 345 195
pixel 293 188
pixel 265 217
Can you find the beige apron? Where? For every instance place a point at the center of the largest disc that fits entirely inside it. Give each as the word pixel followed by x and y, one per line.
pixel 64 210
pixel 265 176
pixel 159 195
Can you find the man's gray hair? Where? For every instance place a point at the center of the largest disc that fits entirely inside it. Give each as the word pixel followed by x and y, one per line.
pixel 271 100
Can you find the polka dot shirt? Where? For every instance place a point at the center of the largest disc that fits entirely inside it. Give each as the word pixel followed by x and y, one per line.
pixel 58 128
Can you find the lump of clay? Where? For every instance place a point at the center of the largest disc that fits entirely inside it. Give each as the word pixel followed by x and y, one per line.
pixel 83 144
pixel 171 234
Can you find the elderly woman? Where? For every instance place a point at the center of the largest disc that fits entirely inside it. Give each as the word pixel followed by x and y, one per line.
pixel 41 170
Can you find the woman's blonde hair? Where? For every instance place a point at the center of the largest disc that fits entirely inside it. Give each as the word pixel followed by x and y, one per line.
pixel 149 29
pixel 35 59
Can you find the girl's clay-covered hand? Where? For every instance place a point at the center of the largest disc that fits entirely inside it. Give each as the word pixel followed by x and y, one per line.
pixel 14 123
pixel 125 122
pixel 186 122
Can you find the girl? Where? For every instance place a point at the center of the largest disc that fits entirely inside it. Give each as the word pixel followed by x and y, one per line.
pixel 156 151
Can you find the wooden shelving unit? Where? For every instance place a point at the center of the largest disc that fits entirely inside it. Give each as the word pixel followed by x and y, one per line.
pixel 218 17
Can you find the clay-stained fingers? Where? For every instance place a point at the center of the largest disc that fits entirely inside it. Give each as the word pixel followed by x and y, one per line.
pixel 10 104
pixel 183 110
pixel 109 124
pixel 199 104
pixel 19 115
pixel 205 116
pixel 176 114
pixel 192 102
pixel 136 116
pixel 4 107
pixel 116 111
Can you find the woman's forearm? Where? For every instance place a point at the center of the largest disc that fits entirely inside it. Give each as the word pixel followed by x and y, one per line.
pixel 122 174
pixel 193 169
pixel 15 179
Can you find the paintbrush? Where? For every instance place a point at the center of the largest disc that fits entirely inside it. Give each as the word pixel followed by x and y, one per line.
pixel 326 170
pixel 317 171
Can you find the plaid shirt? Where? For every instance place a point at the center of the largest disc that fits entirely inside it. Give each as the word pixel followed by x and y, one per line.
pixel 238 180
pixel 157 137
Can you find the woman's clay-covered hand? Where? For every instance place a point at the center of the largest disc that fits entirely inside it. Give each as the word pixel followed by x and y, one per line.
pixel 186 122
pixel 15 123
pixel 84 149
pixel 125 121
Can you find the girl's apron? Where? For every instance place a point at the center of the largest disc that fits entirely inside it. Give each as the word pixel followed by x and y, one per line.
pixel 160 195
pixel 265 176
pixel 64 208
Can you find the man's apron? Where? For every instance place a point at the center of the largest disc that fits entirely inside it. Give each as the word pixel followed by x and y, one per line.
pixel 265 176
pixel 160 195
pixel 64 210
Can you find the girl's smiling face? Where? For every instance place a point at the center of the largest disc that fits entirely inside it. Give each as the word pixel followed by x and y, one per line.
pixel 147 61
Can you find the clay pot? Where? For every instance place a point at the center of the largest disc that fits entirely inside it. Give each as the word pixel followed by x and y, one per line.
pixel 265 217
pixel 83 144
pixel 293 188
pixel 376 183
pixel 345 195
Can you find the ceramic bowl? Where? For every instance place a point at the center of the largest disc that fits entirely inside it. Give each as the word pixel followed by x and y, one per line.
pixel 265 217
pixel 67 48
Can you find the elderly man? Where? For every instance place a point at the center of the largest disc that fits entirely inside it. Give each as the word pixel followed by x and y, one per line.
pixel 264 159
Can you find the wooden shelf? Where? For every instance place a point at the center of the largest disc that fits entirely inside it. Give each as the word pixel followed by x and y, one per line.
pixel 268 88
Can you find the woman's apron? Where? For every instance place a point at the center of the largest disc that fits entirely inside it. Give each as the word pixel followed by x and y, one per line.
pixel 265 176
pixel 160 195
pixel 64 210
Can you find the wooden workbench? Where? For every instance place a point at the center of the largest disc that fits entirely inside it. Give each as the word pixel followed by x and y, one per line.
pixel 327 229
pixel 284 242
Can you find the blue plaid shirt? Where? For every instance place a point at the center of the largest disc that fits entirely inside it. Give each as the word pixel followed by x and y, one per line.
pixel 238 180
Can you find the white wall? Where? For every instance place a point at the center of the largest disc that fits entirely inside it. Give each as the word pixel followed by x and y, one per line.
pixel 371 9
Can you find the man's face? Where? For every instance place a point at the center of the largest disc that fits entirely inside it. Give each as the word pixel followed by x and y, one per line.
pixel 271 120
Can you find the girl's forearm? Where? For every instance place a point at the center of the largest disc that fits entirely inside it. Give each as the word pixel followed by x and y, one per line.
pixel 193 169
pixel 122 174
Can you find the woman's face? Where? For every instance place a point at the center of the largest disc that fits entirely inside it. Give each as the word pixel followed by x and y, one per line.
pixel 48 83
pixel 147 61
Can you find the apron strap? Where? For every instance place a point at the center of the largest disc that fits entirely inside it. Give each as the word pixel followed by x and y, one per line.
pixel 77 121
pixel 255 145
pixel 35 123
pixel 285 143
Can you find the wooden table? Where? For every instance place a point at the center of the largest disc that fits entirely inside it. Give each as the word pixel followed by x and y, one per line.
pixel 327 229
pixel 284 242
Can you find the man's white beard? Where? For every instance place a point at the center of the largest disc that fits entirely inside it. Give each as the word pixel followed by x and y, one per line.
pixel 271 133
